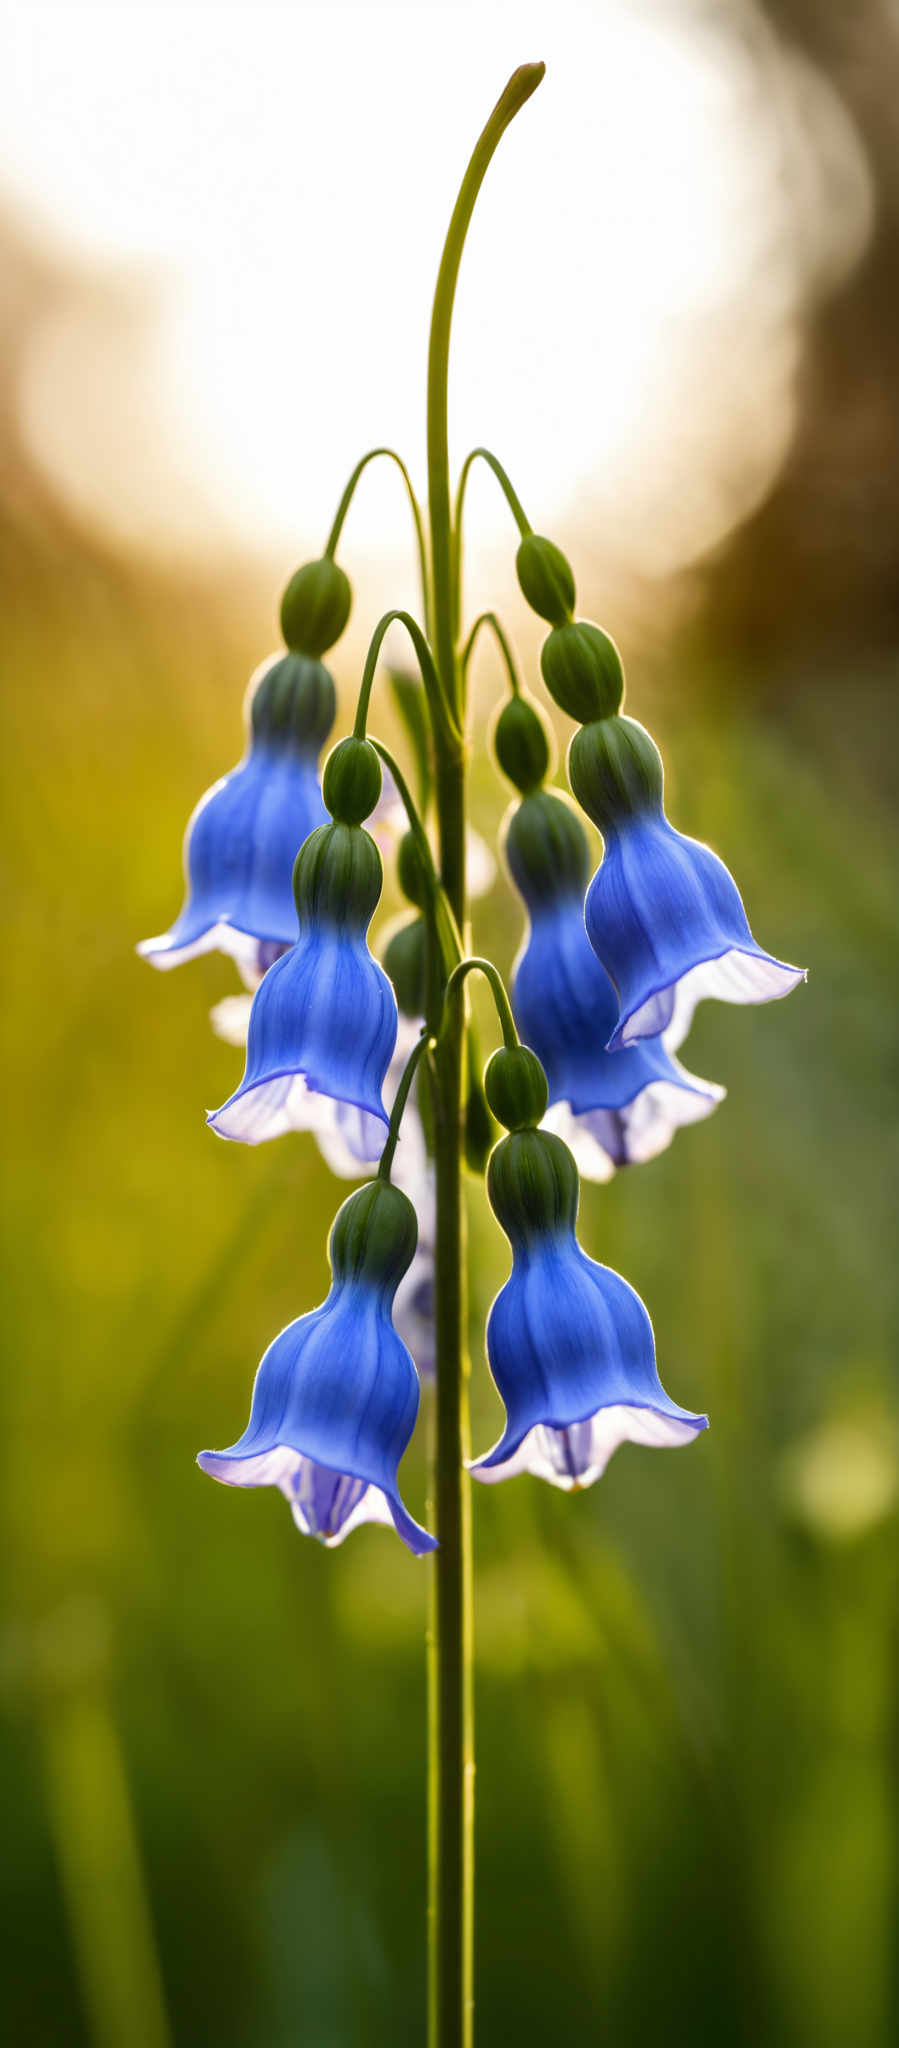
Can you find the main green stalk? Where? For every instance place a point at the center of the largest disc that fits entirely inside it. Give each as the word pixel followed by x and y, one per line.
pixel 450 1638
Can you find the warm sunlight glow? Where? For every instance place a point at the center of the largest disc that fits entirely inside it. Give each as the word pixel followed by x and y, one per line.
pixel 254 197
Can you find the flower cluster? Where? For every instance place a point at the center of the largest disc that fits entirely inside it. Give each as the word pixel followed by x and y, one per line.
pixel 285 875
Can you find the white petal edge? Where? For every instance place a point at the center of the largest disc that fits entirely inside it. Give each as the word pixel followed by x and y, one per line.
pixel 218 938
pixel 610 1428
pixel 283 1467
pixel 648 1124
pixel 735 977
pixel 287 1104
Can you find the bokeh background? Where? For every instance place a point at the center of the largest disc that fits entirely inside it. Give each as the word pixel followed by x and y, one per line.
pixel 677 326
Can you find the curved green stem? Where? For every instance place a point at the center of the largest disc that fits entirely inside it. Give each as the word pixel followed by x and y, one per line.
pixel 441 722
pixel 497 989
pixel 346 501
pixel 490 619
pixel 522 84
pixel 399 1103
pixel 515 505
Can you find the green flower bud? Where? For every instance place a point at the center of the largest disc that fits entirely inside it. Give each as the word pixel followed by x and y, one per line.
pixel 523 743
pixel 351 784
pixel 546 848
pixel 582 671
pixel 410 871
pixel 374 1236
pixel 294 702
pixel 405 961
pixel 515 1087
pixel 532 1185
pixel 337 878
pixel 315 607
pixel 545 578
pixel 615 770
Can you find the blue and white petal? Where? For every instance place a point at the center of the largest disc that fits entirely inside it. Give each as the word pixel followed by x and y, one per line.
pixel 322 1029
pixel 334 1406
pixel 612 1109
pixel 572 1352
pixel 666 921
pixel 244 834
pixel 601 1140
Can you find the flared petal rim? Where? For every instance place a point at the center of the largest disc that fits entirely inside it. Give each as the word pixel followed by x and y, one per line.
pixel 281 1465
pixel 189 939
pixel 601 1140
pixel 291 1101
pixel 614 1423
pixel 738 974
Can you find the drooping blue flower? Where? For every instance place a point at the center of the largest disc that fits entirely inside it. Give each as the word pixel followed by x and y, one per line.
pixel 244 836
pixel 324 1019
pixel 569 1342
pixel 336 1395
pixel 663 915
pixel 612 1109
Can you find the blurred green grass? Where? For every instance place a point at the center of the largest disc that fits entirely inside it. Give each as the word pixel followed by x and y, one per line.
pixel 213 1767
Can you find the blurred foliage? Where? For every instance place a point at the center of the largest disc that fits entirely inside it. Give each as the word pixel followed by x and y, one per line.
pixel 213 1760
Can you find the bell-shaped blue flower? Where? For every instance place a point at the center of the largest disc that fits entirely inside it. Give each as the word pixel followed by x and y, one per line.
pixel 336 1395
pixel 243 837
pixel 570 1344
pixel 324 1019
pixel 612 1109
pixel 663 915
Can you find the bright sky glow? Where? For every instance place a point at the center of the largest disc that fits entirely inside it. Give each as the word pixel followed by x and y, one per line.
pixel 262 191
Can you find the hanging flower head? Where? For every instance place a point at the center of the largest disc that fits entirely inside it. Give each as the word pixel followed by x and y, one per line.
pixel 323 1023
pixel 570 1344
pixel 612 1108
pixel 663 915
pixel 336 1395
pixel 243 837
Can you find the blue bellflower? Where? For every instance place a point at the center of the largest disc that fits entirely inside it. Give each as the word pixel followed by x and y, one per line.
pixel 612 1109
pixel 243 838
pixel 663 915
pixel 570 1344
pixel 324 1018
pixel 336 1394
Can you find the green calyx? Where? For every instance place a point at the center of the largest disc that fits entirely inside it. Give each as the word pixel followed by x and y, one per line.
pixel 515 1087
pixel 337 878
pixel 294 703
pixel 544 574
pixel 374 1235
pixel 315 607
pixel 615 771
pixel 546 847
pixel 405 961
pixel 582 671
pixel 523 744
pixel 351 784
pixel 532 1185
